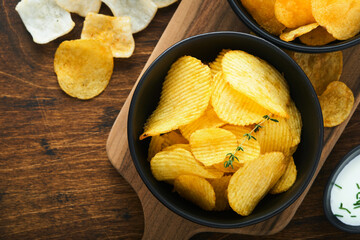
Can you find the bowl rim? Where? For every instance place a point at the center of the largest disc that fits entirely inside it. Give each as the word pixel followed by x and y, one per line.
pixel 250 23
pixel 327 192
pixel 173 207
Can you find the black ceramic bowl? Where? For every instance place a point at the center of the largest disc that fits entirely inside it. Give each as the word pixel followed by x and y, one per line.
pixel 205 47
pixel 295 45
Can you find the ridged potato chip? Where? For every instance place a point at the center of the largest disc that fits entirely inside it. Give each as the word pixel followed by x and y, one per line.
pixel 178 145
pixel 341 18
pixel 256 79
pixel 44 19
pixel 294 13
pixel 215 66
pixel 220 186
pixel 83 67
pixel 163 3
pixel 197 190
pixel 294 33
pixel 294 122
pixel 336 103
pixel 234 107
pixel 113 31
pixel 317 37
pixel 287 179
pixel 253 181
pixel 321 68
pixel 81 7
pixel 141 12
pixel 168 165
pixel 263 13
pixel 184 98
pixel 210 145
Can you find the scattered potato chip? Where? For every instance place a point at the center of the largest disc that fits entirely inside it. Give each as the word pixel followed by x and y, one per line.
pixel 294 13
pixel 294 33
pixel 81 7
pixel 252 182
pixel 220 186
pixel 317 37
pixel 287 179
pixel 321 68
pixel 210 145
pixel 197 190
pixel 184 98
pixel 163 3
pixel 256 79
pixel 83 67
pixel 295 123
pixel 44 19
pixel 263 13
pixel 336 103
pixel 215 66
pixel 141 12
pixel 341 18
pixel 178 145
pixel 168 165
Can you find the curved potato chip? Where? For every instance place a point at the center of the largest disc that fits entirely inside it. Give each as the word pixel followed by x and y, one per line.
pixel 252 182
pixel 215 66
pixel 263 13
pixel 83 67
pixel 184 98
pixel 210 145
pixel 294 33
pixel 286 180
pixel 341 18
pixel 44 19
pixel 178 145
pixel 220 186
pixel 317 37
pixel 113 31
pixel 197 190
pixel 336 103
pixel 294 13
pixel 141 12
pixel 321 68
pixel 163 3
pixel 81 7
pixel 294 122
pixel 256 79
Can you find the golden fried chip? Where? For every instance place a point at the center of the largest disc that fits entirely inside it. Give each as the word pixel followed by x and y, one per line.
pixel 294 13
pixel 160 142
pixel 163 3
pixel 184 98
pixel 215 66
pixel 336 103
pixel 197 190
pixel 321 68
pixel 234 107
pixel 341 18
pixel 113 31
pixel 178 145
pixel 286 180
pixel 252 182
pixel 83 67
pixel 294 33
pixel 168 165
pixel 263 13
pixel 81 7
pixel 256 79
pixel 317 37
pixel 220 186
pixel 210 145
pixel 294 122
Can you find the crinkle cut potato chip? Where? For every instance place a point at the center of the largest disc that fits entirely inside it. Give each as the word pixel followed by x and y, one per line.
pixel 253 181
pixel 294 122
pixel 256 79
pixel 321 68
pixel 210 145
pixel 184 98
pixel 287 179
pixel 83 67
pixel 263 13
pixel 294 33
pixel 317 37
pixel 141 12
pixel 81 7
pixel 197 190
pixel 294 13
pixel 163 3
pixel 44 19
pixel 341 18
pixel 220 186
pixel 113 31
pixel 336 103
pixel 168 165
pixel 215 66
pixel 178 145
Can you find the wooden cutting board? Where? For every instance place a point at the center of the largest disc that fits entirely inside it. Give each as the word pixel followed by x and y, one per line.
pixel 191 18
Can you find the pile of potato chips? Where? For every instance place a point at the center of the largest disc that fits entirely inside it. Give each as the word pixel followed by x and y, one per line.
pixel 203 114
pixel 315 22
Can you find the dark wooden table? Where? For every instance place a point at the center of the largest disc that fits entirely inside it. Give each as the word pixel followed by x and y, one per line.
pixel 55 179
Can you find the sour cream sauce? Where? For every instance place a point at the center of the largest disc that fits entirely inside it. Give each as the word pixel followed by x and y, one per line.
pixel 346 192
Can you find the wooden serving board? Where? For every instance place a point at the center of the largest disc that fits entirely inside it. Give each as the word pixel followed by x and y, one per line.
pixel 191 18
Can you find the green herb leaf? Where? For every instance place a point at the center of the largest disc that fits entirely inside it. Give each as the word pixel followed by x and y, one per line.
pixel 338 186
pixel 342 208
pixel 337 215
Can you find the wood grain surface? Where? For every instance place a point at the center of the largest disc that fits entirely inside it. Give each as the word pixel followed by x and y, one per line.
pixel 55 178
